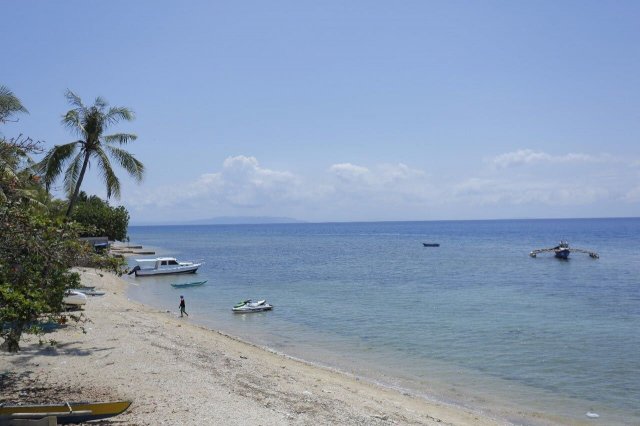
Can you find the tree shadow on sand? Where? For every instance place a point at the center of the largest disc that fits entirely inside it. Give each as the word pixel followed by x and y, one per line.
pixel 32 350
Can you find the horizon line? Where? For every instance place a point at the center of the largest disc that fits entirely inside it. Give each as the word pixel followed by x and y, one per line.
pixel 299 222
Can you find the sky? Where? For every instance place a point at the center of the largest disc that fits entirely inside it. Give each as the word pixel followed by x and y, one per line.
pixel 345 111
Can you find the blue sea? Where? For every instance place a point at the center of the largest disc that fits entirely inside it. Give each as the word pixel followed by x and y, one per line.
pixel 475 322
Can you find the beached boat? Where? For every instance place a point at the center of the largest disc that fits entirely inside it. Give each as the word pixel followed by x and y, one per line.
pixel 74 412
pixel 191 284
pixel 562 251
pixel 431 244
pixel 247 306
pixel 89 291
pixel 163 266
pixel 74 299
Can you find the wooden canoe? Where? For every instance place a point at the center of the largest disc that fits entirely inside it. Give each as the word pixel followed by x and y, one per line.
pixel 74 412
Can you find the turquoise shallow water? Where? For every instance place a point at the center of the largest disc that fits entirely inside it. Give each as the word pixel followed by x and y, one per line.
pixel 475 321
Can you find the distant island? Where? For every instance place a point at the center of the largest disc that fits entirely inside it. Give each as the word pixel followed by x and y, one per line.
pixel 228 220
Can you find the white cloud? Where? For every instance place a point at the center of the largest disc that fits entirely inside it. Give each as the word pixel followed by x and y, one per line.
pixel 506 192
pixel 348 172
pixel 385 173
pixel 383 182
pixel 347 191
pixel 528 156
pixel 633 196
pixel 241 182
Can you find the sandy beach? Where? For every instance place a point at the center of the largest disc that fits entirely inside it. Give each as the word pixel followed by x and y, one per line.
pixel 179 373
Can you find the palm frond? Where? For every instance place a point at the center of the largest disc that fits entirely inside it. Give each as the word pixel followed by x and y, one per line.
pixel 30 197
pixel 110 179
pixel 100 103
pixel 52 163
pixel 116 114
pixel 9 104
pixel 120 138
pixel 129 163
pixel 72 120
pixel 71 175
pixel 74 99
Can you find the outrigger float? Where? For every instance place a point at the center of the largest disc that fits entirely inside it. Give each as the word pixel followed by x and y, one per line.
pixel 562 251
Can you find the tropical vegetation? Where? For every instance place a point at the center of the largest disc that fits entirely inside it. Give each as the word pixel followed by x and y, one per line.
pixel 98 218
pixel 39 244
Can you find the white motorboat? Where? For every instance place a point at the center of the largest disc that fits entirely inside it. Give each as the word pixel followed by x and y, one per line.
pixel 163 266
pixel 74 299
pixel 248 306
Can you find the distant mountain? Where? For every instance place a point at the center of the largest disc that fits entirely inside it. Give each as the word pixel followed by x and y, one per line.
pixel 242 220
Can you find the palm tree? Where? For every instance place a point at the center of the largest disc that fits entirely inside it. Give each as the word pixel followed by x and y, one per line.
pixel 9 104
pixel 14 158
pixel 90 123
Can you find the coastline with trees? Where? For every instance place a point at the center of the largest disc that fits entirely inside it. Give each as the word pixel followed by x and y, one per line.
pixel 39 244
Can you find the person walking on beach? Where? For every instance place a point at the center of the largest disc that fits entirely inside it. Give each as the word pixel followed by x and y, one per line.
pixel 182 307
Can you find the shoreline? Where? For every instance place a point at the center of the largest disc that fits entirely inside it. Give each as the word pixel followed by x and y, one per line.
pixel 178 372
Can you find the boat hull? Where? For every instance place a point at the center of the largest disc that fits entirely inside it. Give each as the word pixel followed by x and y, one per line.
pixel 248 306
pixel 79 412
pixel 74 298
pixel 562 253
pixel 249 310
pixel 182 285
pixel 167 271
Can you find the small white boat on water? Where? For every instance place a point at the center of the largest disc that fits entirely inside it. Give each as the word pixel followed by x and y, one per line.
pixel 163 266
pixel 248 306
pixel 74 299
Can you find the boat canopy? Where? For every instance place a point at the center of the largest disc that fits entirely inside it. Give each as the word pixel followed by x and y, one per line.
pixel 157 259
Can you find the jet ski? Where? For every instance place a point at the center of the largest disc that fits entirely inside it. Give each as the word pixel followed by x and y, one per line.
pixel 247 306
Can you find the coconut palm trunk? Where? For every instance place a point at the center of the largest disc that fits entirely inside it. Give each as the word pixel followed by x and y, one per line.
pixel 74 197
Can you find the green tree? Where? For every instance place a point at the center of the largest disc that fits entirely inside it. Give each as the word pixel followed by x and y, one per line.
pixel 36 252
pixel 100 219
pixel 90 123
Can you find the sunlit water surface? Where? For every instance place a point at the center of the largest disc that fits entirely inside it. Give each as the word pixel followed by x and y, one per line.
pixel 475 322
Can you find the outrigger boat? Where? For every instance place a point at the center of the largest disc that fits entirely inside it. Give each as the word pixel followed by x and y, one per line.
pixel 193 284
pixel 74 412
pixel 562 251
pixel 248 306
pixel 431 244
pixel 163 266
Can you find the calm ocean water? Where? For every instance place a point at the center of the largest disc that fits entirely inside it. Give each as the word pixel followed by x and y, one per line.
pixel 476 321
